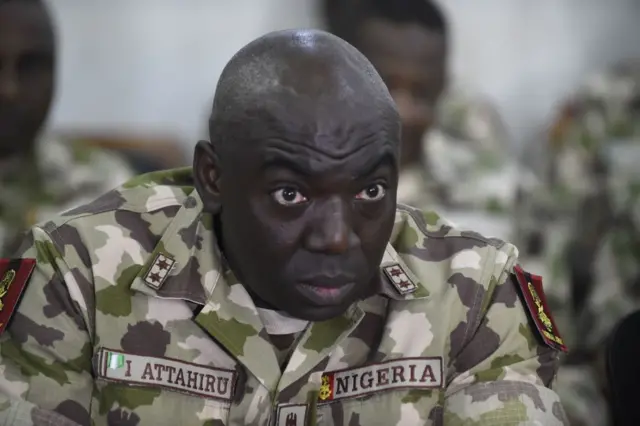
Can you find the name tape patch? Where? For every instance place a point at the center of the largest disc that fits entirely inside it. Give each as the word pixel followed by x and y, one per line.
pixel 181 376
pixel 418 373
pixel 14 275
pixel 533 294
pixel 292 415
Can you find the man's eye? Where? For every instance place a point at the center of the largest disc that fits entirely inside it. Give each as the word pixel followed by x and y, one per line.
pixel 372 193
pixel 288 196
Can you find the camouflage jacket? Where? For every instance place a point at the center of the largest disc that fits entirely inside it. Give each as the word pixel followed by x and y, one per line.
pixel 614 287
pixel 465 169
pixel 459 175
pixel 598 124
pixel 464 158
pixel 612 292
pixel 58 177
pixel 465 114
pixel 597 152
pixel 471 186
pixel 131 318
pixel 592 219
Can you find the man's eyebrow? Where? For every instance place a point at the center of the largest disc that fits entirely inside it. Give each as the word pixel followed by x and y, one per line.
pixel 387 159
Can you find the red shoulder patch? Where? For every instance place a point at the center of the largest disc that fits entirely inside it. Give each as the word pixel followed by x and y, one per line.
pixel 14 275
pixel 536 303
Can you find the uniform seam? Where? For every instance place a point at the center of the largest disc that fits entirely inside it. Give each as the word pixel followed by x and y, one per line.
pixel 131 208
pixel 474 323
pixel 90 328
pixel 472 327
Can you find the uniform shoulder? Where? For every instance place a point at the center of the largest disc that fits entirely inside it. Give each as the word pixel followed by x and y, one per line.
pixel 151 193
pixel 444 258
pixel 431 225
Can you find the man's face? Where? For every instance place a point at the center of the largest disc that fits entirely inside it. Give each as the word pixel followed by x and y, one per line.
pixel 412 62
pixel 308 205
pixel 26 73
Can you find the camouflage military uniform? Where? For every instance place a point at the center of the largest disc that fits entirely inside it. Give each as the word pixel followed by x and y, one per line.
pixel 598 114
pixel 132 317
pixel 466 170
pixel 59 177
pixel 591 253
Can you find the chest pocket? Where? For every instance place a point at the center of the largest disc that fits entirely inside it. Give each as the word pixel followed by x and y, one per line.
pixel 140 390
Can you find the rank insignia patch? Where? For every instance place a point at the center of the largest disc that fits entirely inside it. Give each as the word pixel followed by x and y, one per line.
pixel 533 294
pixel 399 279
pixel 159 271
pixel 14 275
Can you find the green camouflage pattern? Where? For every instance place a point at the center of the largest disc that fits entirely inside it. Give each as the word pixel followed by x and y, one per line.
pixel 464 158
pixel 466 172
pixel 89 294
pixel 467 115
pixel 601 219
pixel 59 176
pixel 598 121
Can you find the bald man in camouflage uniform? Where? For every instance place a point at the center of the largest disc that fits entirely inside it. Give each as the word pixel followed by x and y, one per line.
pixel 592 260
pixel 276 282
pixel 39 176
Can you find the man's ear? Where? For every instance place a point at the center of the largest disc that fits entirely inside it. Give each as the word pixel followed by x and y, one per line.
pixel 206 173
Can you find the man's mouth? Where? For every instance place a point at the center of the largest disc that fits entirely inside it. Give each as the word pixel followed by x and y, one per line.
pixel 323 295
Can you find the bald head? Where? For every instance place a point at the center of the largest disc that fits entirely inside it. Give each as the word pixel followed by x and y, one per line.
pixel 309 72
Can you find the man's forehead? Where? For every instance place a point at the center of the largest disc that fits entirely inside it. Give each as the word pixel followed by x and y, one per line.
pixel 324 162
pixel 334 134
pixel 275 150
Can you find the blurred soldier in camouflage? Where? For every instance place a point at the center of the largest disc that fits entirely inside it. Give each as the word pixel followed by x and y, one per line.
pixel 38 176
pixel 454 143
pixel 276 282
pixel 590 205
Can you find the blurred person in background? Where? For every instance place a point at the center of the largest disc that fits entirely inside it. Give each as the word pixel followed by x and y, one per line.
pixel 145 151
pixel 38 175
pixel 454 142
pixel 585 215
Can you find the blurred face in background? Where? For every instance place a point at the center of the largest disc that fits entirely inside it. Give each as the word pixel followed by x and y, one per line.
pixel 412 61
pixel 26 73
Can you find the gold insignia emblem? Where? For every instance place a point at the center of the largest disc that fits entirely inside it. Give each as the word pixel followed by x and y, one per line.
pixel 325 389
pixel 6 281
pixel 544 318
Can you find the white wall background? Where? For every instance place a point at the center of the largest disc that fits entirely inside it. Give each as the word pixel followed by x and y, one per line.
pixel 153 64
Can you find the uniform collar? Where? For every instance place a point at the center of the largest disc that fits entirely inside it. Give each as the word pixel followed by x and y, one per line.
pixel 186 263
pixel 401 235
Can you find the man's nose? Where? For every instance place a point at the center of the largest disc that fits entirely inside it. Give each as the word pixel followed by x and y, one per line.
pixel 330 230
